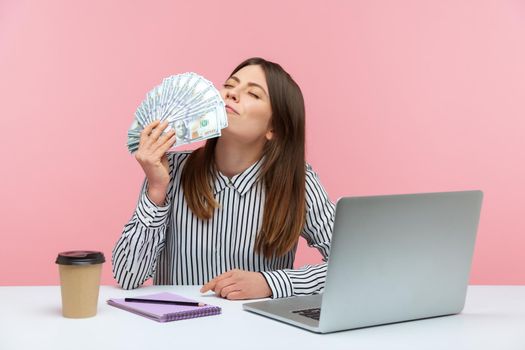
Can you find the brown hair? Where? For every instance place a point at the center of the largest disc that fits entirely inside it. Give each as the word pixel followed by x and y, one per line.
pixel 282 172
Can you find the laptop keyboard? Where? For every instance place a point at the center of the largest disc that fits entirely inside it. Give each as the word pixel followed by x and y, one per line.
pixel 311 313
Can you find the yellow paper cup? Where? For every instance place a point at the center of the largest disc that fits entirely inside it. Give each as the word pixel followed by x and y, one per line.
pixel 79 282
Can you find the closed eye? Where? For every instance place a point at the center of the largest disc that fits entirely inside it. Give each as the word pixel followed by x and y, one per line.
pixel 251 93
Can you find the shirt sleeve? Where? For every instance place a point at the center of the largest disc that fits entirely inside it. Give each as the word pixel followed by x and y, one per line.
pixel 317 231
pixel 134 257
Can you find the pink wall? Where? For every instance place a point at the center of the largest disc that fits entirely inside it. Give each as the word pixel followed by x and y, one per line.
pixel 404 96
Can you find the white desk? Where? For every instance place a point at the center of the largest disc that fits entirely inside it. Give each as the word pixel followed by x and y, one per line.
pixel 30 318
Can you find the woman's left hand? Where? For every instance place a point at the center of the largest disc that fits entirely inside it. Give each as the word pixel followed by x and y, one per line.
pixel 239 284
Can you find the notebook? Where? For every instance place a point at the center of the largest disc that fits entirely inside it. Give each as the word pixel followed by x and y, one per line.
pixel 165 312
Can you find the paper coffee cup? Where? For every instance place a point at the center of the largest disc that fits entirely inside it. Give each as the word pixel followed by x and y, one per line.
pixel 79 282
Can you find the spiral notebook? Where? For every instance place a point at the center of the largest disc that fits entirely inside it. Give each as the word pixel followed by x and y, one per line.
pixel 165 312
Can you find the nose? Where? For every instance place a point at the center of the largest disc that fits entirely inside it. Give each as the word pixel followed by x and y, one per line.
pixel 231 93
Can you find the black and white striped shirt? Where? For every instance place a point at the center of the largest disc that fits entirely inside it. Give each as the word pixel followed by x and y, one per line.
pixel 172 245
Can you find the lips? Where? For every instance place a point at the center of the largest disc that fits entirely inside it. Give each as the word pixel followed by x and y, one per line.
pixel 229 108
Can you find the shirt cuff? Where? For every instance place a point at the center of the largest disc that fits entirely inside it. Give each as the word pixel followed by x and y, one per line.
pixel 149 213
pixel 279 282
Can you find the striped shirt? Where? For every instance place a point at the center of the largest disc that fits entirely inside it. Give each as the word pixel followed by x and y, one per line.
pixel 174 246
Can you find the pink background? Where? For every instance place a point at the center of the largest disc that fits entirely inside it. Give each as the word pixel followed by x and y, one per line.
pixel 401 96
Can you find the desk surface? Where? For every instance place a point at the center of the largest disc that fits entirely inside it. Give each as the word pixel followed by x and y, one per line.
pixel 493 318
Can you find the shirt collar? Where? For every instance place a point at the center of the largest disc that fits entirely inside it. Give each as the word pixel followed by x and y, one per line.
pixel 242 182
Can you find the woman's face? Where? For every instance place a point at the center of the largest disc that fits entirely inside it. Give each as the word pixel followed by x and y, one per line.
pixel 246 93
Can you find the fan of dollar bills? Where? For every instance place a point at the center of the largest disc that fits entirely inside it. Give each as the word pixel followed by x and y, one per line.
pixel 190 104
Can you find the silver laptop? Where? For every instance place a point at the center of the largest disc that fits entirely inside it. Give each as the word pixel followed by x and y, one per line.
pixel 393 258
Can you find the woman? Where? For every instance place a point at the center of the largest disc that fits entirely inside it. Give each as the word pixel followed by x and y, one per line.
pixel 229 215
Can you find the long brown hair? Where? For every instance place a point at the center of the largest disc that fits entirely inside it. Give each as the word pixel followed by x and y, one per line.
pixel 283 169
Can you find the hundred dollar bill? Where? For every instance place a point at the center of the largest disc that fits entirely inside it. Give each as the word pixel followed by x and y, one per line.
pixel 186 131
pixel 190 104
pixel 195 129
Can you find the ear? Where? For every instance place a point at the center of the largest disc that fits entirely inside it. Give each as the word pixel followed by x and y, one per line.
pixel 269 135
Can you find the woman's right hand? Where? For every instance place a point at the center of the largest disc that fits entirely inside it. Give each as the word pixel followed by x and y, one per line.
pixel 151 153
